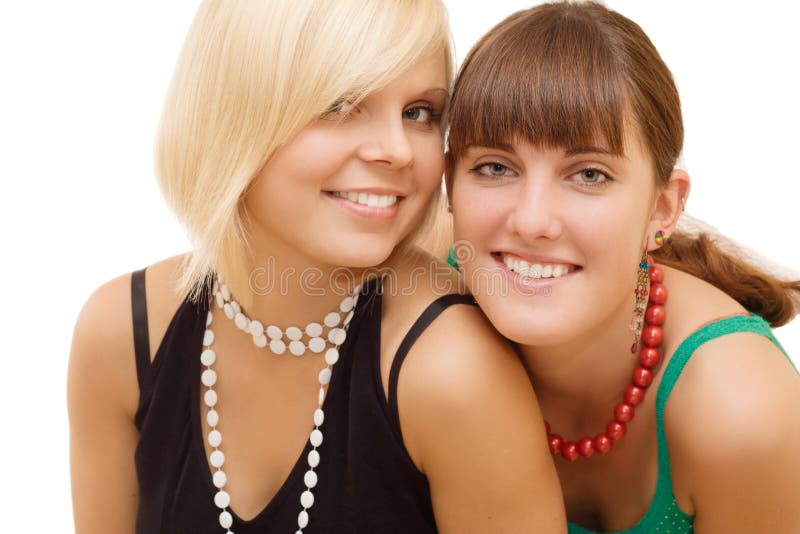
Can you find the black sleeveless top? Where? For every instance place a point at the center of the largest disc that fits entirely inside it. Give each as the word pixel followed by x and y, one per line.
pixel 367 481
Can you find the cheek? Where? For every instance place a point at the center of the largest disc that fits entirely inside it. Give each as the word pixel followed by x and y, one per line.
pixel 428 162
pixel 478 211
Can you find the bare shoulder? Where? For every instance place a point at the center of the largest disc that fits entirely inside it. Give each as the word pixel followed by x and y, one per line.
pixel 729 418
pixel 102 351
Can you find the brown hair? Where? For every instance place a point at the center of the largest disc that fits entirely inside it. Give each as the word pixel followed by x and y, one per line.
pixel 568 74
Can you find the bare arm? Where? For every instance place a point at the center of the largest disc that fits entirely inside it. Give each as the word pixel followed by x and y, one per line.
pixel 472 423
pixel 738 439
pixel 102 393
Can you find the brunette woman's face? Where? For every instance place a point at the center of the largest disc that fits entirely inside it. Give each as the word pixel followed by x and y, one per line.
pixel 351 185
pixel 556 235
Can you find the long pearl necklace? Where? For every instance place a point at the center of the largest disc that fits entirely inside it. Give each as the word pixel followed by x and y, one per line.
pixel 316 343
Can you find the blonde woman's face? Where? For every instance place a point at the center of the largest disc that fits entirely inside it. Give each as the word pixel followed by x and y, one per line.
pixel 351 185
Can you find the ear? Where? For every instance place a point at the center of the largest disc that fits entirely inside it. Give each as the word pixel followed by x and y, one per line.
pixel 669 205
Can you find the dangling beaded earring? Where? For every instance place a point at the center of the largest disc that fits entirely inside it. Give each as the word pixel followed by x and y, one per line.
pixel 660 237
pixel 642 284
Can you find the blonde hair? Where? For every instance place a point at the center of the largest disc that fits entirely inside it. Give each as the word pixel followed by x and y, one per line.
pixel 251 75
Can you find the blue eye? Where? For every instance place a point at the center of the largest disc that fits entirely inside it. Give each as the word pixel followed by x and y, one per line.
pixel 492 170
pixel 592 178
pixel 420 114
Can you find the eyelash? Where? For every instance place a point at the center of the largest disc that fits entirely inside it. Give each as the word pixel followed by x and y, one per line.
pixel 588 185
pixel 595 185
pixel 345 107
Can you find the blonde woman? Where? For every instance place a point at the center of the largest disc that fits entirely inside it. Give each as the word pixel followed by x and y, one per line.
pixel 301 148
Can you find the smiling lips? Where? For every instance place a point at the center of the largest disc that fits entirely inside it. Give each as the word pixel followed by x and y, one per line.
pixel 535 270
pixel 367 199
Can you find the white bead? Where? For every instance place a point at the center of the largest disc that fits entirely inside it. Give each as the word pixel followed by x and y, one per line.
pixel 222 499
pixel 319 417
pixel 310 479
pixel 347 304
pixel 294 333
pixel 302 519
pixel 210 398
pixel 277 346
pixel 209 317
pixel 314 329
pixel 313 458
pixel 274 332
pixel 208 378
pixel 337 336
pixel 236 307
pixel 214 438
pixel 307 499
pixel 260 341
pixel 256 328
pixel 348 318
pixel 212 418
pixel 220 479
pixel 321 396
pixel 208 338
pixel 332 319
pixel 226 293
pixel 316 437
pixel 241 321
pixel 208 357
pixel 217 458
pixel 325 376
pixel 220 300
pixel 316 344
pixel 225 518
pixel 297 348
pixel 229 313
pixel 332 356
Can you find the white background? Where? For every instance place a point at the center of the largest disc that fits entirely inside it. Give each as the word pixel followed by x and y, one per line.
pixel 80 93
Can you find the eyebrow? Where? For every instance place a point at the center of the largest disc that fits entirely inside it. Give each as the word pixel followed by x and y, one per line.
pixel 502 146
pixel 436 90
pixel 588 149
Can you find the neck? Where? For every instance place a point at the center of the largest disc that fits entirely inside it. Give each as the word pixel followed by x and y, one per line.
pixel 579 382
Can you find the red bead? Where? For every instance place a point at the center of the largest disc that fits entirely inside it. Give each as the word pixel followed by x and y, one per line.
pixel 634 347
pixel 569 450
pixel 623 412
pixel 656 274
pixel 615 430
pixel 585 447
pixel 655 314
pixel 658 293
pixel 652 336
pixel 642 377
pixel 634 395
pixel 649 357
pixel 555 443
pixel 602 443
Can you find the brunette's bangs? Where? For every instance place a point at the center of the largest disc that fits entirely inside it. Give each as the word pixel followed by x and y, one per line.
pixel 543 82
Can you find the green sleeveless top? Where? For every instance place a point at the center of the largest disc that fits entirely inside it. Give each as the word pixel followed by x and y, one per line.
pixel 664 516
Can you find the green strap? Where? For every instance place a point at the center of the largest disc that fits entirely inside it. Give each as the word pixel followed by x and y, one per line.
pixel 451 258
pixel 728 325
pixel 663 503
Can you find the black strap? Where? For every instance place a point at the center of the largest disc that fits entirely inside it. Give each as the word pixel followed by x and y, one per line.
pixel 141 335
pixel 423 321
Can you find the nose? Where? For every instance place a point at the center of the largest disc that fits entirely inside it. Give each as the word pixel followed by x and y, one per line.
pixel 386 142
pixel 535 214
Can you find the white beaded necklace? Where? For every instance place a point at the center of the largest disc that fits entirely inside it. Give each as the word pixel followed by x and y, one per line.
pixel 336 336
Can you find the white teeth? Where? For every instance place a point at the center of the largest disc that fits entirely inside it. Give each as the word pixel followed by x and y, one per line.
pixel 521 267
pixel 368 199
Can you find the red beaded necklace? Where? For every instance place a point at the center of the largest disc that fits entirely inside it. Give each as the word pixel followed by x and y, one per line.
pixel 649 356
